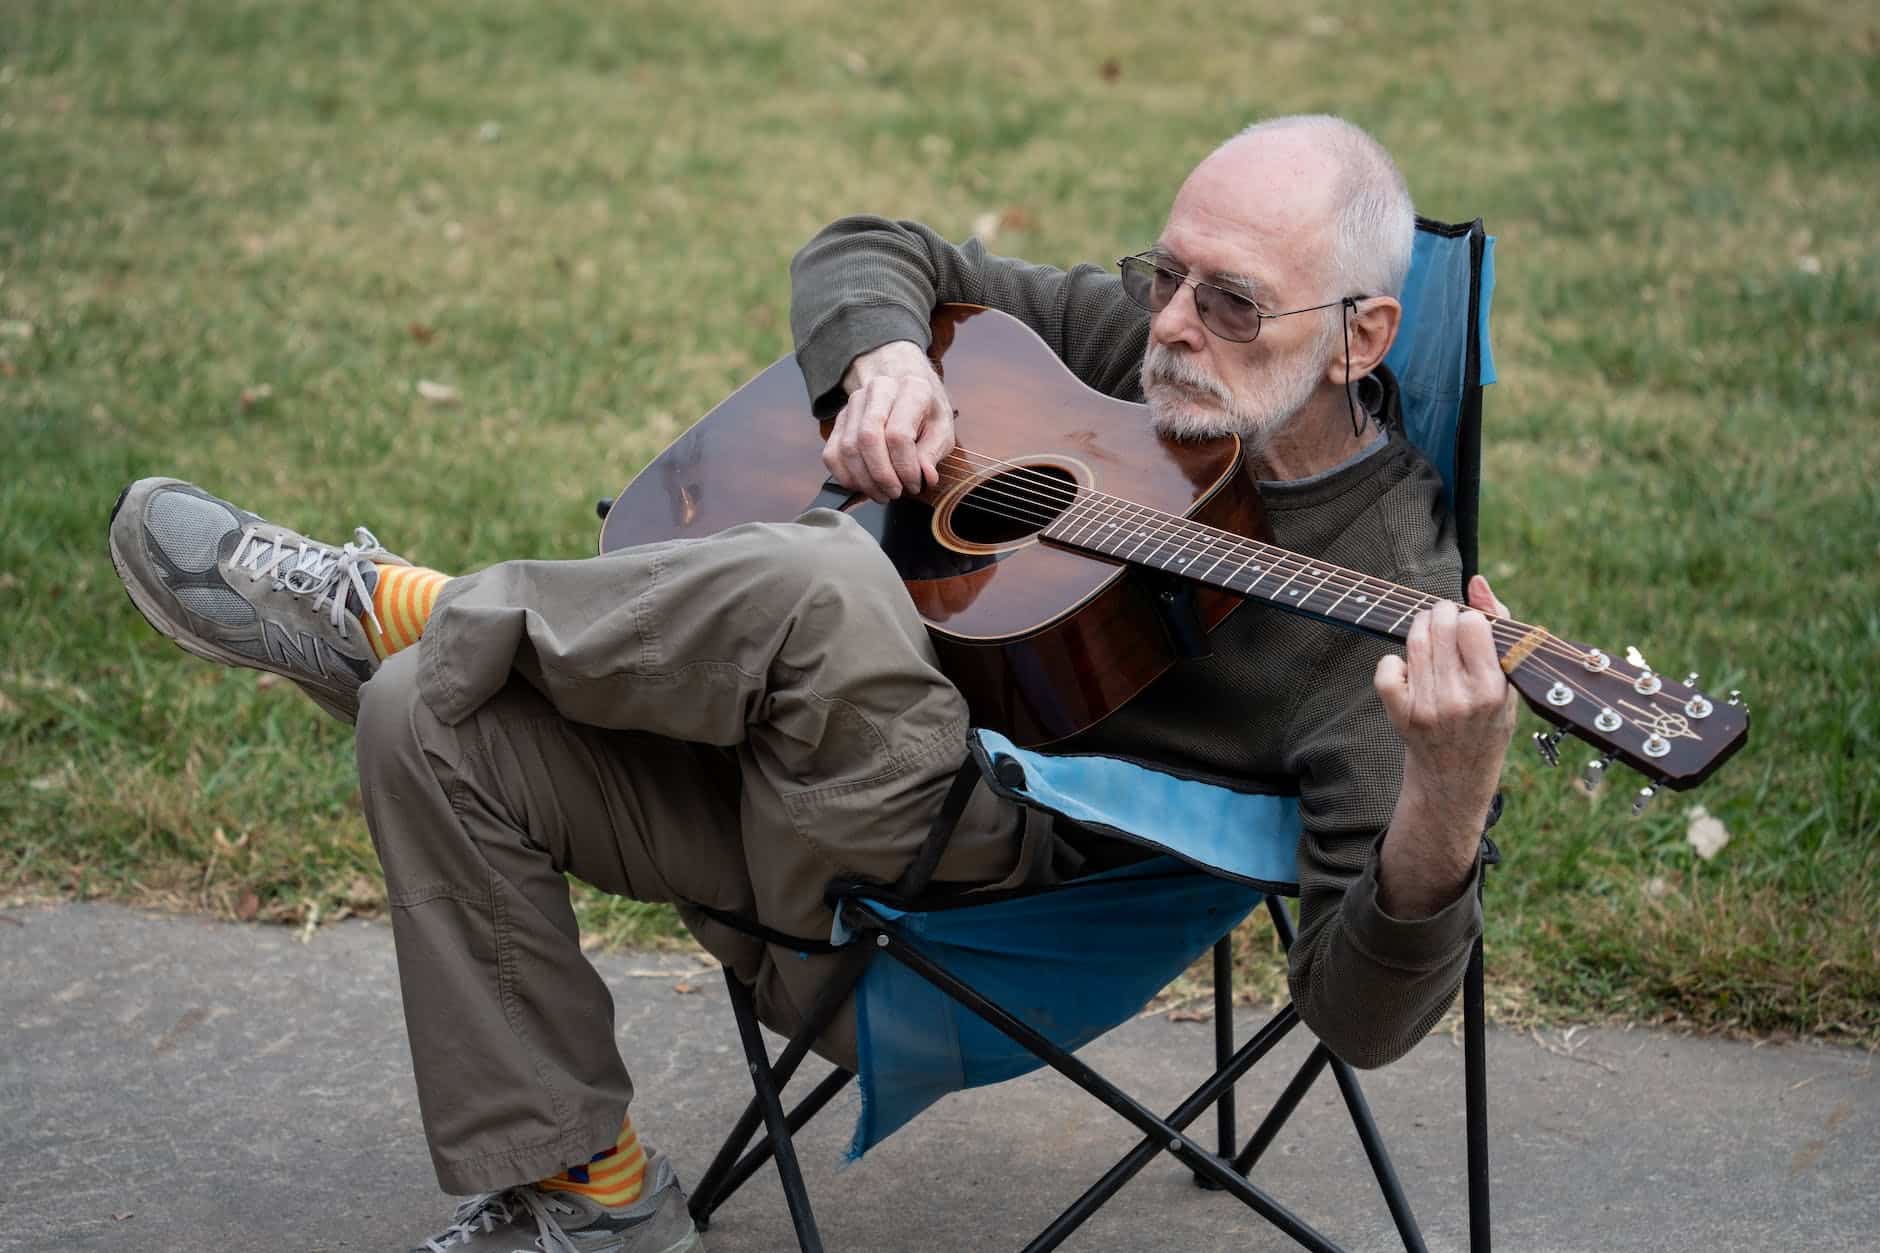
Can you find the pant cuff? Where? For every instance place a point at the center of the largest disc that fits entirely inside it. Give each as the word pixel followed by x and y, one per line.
pixel 509 1168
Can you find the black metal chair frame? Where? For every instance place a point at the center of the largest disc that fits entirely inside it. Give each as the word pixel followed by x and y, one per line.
pixel 1227 1167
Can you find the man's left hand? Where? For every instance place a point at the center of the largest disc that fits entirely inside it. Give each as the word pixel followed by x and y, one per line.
pixel 1451 703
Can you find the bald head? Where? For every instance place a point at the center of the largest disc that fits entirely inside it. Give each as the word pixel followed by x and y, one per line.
pixel 1316 189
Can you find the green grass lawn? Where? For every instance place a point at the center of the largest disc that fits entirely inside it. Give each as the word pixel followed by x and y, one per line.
pixel 234 237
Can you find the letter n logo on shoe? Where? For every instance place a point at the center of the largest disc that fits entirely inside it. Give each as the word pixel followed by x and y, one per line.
pixel 299 650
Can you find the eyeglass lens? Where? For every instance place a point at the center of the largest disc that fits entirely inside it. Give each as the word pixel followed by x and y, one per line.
pixel 1227 314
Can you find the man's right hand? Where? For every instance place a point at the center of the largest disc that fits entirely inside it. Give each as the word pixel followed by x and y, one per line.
pixel 898 424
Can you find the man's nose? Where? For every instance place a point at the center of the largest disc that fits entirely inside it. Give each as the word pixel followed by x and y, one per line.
pixel 1179 321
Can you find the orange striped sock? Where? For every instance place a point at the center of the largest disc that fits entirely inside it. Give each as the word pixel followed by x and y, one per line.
pixel 612 1177
pixel 402 601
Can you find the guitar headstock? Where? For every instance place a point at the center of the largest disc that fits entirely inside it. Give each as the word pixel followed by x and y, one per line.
pixel 1669 731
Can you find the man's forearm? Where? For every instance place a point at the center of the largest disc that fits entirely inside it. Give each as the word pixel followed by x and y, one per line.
pixel 1428 854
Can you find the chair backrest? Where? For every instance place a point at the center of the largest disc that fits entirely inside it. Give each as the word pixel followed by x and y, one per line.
pixel 1442 360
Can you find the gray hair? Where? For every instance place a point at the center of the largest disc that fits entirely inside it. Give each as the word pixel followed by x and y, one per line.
pixel 1375 221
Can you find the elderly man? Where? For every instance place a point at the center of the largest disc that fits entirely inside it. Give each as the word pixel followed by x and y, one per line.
pixel 732 722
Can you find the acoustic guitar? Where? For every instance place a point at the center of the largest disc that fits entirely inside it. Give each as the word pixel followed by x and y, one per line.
pixel 1069 555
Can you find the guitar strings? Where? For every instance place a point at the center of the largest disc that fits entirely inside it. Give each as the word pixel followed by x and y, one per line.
pixel 1063 500
pixel 1215 539
pixel 1220 545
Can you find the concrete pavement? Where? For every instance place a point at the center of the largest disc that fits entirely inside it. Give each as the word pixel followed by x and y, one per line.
pixel 177 1083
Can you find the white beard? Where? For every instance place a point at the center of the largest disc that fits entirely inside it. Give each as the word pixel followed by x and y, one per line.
pixel 1186 402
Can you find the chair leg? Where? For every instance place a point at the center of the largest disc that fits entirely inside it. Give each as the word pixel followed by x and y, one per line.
pixel 1387 1181
pixel 717 1184
pixel 808 1239
pixel 1475 1098
pixel 1126 1169
pixel 808 1108
pixel 1224 1034
pixel 1223 1049
pixel 1282 1109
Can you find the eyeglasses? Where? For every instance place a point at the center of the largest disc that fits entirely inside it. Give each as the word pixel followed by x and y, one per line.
pixel 1229 314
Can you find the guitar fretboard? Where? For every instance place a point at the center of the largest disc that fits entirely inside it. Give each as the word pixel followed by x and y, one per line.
pixel 1113 528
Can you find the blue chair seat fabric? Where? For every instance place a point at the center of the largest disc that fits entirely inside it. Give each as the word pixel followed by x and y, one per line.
pixel 1072 961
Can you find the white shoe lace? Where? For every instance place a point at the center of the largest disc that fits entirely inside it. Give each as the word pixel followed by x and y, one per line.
pixel 481 1214
pixel 305 568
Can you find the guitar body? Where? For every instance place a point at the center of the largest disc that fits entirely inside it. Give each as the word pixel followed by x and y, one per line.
pixel 1042 640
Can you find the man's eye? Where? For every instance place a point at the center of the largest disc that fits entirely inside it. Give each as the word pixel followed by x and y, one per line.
pixel 1237 302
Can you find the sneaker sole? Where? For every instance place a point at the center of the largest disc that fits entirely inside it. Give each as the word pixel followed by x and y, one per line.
pixel 183 638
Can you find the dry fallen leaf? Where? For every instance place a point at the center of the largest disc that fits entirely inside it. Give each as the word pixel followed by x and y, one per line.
pixel 255 393
pixel 1705 834
pixel 438 393
pixel 248 907
pixel 1110 70
pixel 420 332
pixel 1191 1015
pixel 683 988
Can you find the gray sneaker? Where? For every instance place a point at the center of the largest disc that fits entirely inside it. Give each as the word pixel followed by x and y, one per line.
pixel 234 588
pixel 533 1220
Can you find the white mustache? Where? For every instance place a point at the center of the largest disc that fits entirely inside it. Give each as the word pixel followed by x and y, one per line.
pixel 1164 366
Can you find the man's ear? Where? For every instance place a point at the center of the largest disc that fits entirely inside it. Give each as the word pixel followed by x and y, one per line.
pixel 1373 329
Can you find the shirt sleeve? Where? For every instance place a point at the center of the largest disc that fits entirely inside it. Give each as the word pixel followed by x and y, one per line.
pixel 867 281
pixel 1370 985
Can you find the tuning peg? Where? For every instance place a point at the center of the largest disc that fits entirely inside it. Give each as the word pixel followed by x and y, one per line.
pixel 1737 702
pixel 1690 680
pixel 1595 773
pixel 1643 798
pixel 1548 746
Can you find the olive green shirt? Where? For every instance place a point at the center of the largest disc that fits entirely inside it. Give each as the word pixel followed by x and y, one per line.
pixel 1283 701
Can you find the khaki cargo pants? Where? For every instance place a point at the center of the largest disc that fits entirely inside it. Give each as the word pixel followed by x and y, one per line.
pixel 732 721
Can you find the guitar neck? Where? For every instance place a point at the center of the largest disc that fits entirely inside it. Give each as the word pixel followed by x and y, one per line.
pixel 1120 531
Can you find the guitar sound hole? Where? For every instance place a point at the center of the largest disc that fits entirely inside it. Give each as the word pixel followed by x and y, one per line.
pixel 1009 506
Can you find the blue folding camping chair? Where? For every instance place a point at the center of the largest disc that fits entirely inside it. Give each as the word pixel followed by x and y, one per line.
pixel 954 991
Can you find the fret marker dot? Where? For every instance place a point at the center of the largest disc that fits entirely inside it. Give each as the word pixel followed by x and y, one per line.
pixel 1293 592
pixel 1360 599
